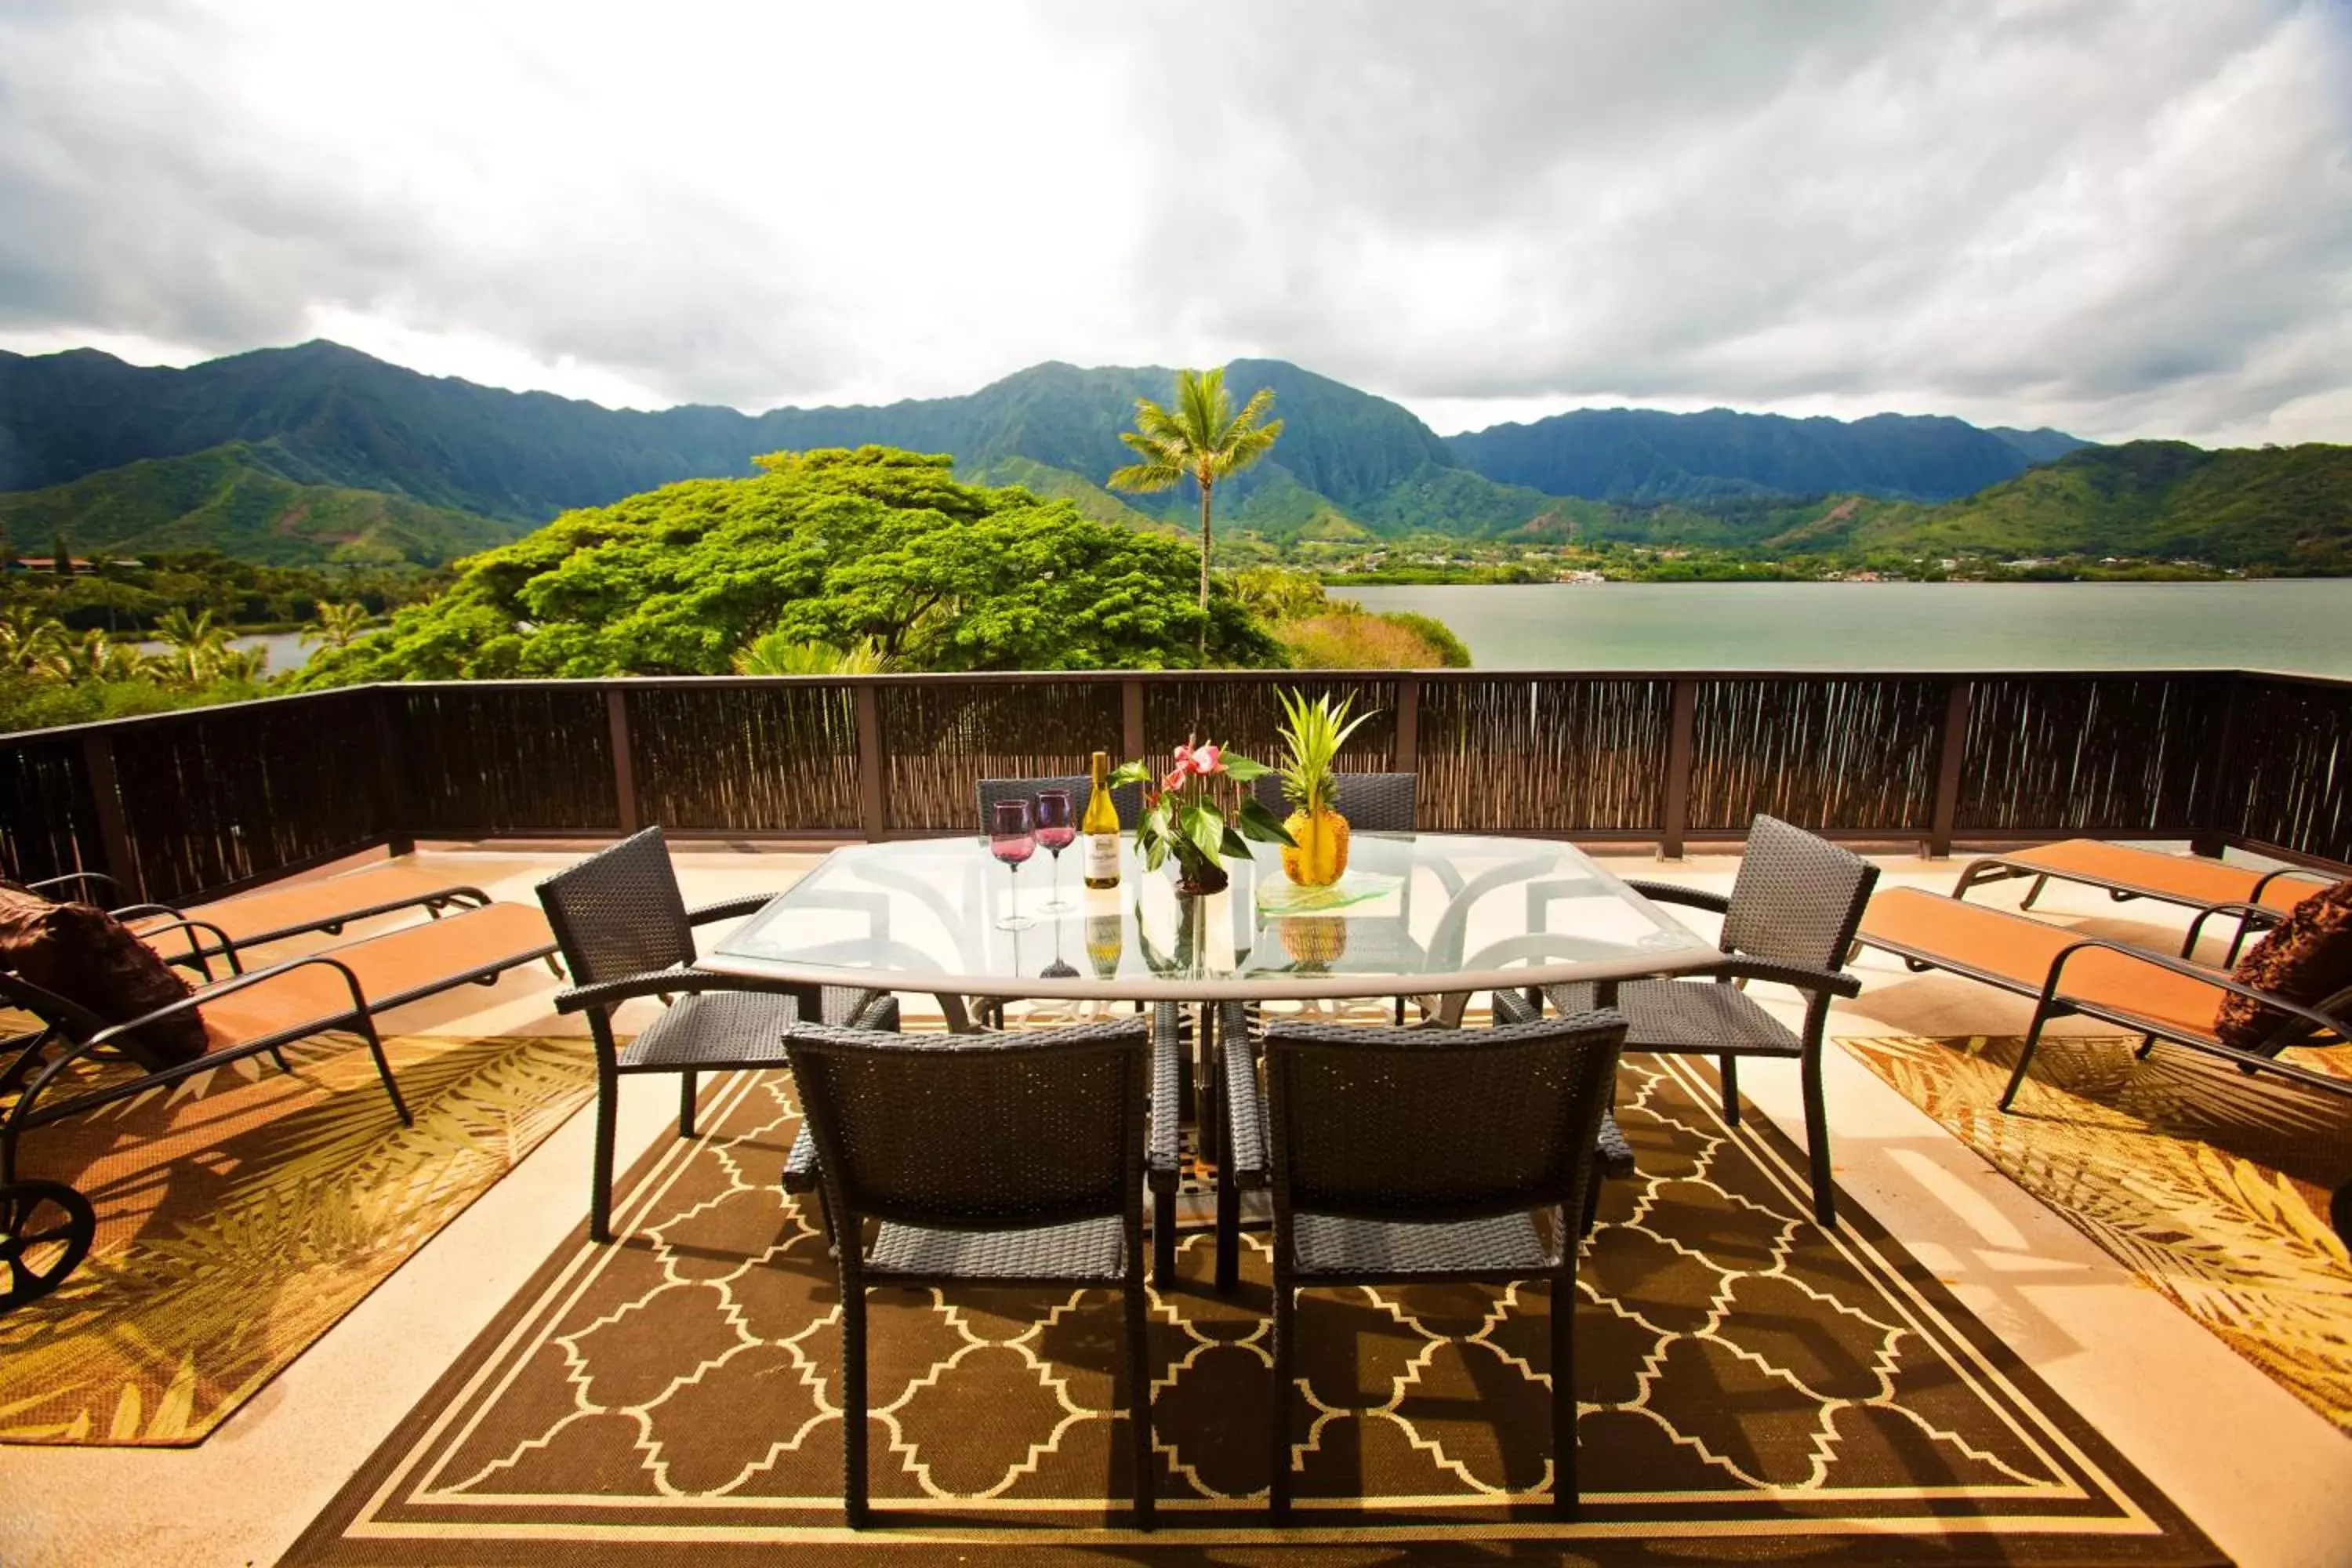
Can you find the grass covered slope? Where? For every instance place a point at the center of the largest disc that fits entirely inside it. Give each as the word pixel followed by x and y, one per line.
pixel 232 498
pixel 876 549
pixel 2286 507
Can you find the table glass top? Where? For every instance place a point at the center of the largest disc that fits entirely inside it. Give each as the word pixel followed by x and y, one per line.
pixel 1415 912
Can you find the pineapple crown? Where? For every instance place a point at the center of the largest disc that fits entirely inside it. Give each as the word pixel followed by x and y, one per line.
pixel 1312 734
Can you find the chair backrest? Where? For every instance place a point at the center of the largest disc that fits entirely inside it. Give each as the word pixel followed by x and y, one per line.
pixel 1128 798
pixel 619 913
pixel 976 1131
pixel 1377 803
pixel 1798 897
pixel 1436 1124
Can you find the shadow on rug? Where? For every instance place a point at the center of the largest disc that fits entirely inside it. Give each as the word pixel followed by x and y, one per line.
pixel 2211 1185
pixel 244 1211
pixel 1748 1384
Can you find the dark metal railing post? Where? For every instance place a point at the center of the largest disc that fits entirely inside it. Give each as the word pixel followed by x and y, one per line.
pixel 396 823
pixel 1951 753
pixel 873 808
pixel 1130 717
pixel 624 762
pixel 1673 811
pixel 106 801
pixel 2214 824
pixel 1408 725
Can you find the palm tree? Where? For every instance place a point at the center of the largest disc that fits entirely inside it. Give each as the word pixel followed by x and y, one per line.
pixel 338 626
pixel 197 644
pixel 774 654
pixel 1203 440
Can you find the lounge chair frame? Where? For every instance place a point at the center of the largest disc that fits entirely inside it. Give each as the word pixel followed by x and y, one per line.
pixel 2305 1026
pixel 31 1070
pixel 2253 914
pixel 434 902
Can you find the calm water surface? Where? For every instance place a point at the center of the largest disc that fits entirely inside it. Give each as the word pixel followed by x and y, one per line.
pixel 2292 625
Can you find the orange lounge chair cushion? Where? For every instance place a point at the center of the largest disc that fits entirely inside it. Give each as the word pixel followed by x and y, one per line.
pixel 2017 952
pixel 400 966
pixel 2190 877
pixel 2306 959
pixel 300 905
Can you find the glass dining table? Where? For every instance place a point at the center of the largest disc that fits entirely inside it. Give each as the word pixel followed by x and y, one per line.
pixel 1436 915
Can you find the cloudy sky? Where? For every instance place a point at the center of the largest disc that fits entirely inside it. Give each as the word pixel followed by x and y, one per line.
pixel 2123 219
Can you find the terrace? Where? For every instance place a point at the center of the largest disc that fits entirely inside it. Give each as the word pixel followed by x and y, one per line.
pixel 2055 1407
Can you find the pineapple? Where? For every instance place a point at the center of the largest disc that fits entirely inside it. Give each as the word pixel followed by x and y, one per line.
pixel 1312 737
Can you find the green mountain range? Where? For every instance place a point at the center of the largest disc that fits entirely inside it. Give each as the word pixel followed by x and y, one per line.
pixel 318 451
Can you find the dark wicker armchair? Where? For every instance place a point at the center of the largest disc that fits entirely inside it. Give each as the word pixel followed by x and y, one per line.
pixel 1790 919
pixel 626 931
pixel 983 1159
pixel 1429 1155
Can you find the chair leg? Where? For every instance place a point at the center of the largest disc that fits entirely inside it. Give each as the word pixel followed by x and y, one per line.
pixel 383 1071
pixel 1163 1238
pixel 1817 1139
pixel 1564 1493
pixel 1730 1090
pixel 1138 1373
pixel 2024 1058
pixel 279 1058
pixel 1591 1199
pixel 600 1178
pixel 1229 1229
pixel 2146 1048
pixel 853 1406
pixel 1277 1496
pixel 687 1082
pixel 2033 892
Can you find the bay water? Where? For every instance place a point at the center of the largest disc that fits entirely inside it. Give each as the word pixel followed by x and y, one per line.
pixel 2304 625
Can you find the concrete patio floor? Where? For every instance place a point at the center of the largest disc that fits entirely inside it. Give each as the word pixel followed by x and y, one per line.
pixel 2265 1477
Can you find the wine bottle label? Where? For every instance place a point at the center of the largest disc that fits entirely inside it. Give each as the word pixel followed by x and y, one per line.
pixel 1102 857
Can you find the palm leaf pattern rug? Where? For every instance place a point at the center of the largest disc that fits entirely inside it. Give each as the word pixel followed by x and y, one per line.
pixel 2211 1185
pixel 244 1211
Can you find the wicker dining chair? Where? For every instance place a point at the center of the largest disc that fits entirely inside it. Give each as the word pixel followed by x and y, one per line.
pixel 1419 1156
pixel 1790 920
pixel 625 932
pixel 982 1159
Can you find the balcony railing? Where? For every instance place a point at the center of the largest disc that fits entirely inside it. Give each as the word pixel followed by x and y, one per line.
pixel 178 805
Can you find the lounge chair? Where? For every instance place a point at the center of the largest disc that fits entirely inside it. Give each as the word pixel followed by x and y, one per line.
pixel 242 1016
pixel 2155 995
pixel 2258 898
pixel 225 927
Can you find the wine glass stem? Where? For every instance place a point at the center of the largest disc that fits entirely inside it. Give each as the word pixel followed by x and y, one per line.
pixel 1057 879
pixel 1013 900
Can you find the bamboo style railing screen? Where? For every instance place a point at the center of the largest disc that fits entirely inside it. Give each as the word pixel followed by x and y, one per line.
pixel 180 805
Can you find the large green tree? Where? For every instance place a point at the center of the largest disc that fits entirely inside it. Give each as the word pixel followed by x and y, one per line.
pixel 873 548
pixel 1201 439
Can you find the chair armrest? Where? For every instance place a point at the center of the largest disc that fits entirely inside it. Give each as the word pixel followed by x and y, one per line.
pixel 1512 1007
pixel 1164 1154
pixel 84 880
pixel 1674 893
pixel 2335 1024
pixel 729 908
pixel 2249 914
pixel 195 954
pixel 1245 1115
pixel 1803 976
pixel 665 981
pixel 234 984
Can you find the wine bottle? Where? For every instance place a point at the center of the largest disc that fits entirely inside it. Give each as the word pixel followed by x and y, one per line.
pixel 1100 825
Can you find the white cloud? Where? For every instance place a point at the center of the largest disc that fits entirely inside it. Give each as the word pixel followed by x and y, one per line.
pixel 2120 218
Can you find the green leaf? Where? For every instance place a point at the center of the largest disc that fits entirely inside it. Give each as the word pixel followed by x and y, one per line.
pixel 1244 769
pixel 1132 774
pixel 1260 824
pixel 1206 828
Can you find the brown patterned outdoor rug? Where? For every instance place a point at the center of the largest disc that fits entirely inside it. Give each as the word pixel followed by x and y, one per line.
pixel 2211 1185
pixel 244 1211
pixel 1752 1388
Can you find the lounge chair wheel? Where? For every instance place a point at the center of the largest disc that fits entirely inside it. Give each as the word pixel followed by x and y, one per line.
pixel 45 1233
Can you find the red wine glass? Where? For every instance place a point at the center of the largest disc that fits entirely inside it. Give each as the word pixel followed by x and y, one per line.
pixel 1013 838
pixel 1057 829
